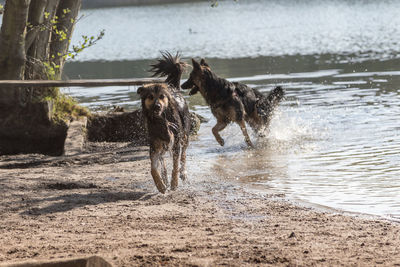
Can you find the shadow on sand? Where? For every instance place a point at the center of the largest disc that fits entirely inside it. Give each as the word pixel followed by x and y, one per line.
pixel 67 202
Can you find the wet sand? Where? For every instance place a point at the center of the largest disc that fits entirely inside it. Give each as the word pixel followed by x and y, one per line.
pixel 104 203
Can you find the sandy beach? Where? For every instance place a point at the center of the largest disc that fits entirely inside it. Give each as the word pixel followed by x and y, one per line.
pixel 104 202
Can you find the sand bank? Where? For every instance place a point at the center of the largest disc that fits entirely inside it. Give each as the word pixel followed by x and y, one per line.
pixel 104 203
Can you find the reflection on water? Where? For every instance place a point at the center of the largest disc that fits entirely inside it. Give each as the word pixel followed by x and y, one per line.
pixel 334 141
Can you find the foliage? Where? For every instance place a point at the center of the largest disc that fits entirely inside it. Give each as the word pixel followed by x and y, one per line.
pixel 86 43
pixel 214 3
pixel 66 107
pixel 51 68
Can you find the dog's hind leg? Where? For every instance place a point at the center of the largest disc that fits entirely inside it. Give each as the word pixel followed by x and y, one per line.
pixel 175 167
pixel 242 125
pixel 216 129
pixel 256 124
pixel 155 160
pixel 182 170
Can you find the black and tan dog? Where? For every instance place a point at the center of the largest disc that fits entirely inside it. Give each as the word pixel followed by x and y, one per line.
pixel 166 116
pixel 232 101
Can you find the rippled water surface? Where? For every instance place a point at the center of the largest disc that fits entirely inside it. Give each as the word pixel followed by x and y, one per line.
pixel 245 28
pixel 334 141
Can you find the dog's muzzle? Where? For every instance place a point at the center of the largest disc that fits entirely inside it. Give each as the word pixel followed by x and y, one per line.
pixel 187 85
pixel 157 108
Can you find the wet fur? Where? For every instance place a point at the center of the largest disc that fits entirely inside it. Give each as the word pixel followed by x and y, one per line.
pixel 170 66
pixel 232 101
pixel 167 120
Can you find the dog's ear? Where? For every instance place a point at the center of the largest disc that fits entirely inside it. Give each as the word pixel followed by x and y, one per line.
pixel 140 90
pixel 196 64
pixel 203 63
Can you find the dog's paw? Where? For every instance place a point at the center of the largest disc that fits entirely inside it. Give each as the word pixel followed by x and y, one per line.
pixel 162 189
pixel 174 187
pixel 165 180
pixel 262 135
pixel 221 142
pixel 183 176
pixel 249 143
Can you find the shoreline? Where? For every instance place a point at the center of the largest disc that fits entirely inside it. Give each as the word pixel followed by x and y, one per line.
pixel 328 209
pixel 92 4
pixel 104 203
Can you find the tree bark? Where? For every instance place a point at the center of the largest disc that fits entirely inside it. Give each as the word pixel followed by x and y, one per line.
pixel 38 50
pixel 12 47
pixel 67 13
pixel 42 45
pixel 35 19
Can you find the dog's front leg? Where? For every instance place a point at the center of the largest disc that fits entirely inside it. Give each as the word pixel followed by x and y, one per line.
pixel 155 159
pixel 182 170
pixel 216 129
pixel 164 173
pixel 175 168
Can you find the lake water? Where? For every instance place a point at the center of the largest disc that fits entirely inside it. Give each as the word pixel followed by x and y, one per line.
pixel 334 141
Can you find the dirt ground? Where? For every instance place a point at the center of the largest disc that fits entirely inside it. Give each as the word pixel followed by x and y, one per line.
pixel 105 203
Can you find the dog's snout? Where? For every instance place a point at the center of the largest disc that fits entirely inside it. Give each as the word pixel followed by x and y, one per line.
pixel 187 85
pixel 157 106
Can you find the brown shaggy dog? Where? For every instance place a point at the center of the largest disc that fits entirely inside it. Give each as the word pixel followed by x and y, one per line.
pixel 167 119
pixel 232 102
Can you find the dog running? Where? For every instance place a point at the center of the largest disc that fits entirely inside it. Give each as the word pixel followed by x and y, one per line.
pixel 167 119
pixel 232 101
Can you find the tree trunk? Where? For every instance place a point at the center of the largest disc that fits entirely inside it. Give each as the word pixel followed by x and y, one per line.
pixel 41 13
pixel 42 42
pixel 28 41
pixel 12 48
pixel 35 19
pixel 67 14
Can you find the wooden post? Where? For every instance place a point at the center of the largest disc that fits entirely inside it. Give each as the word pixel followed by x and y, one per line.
pixel 77 83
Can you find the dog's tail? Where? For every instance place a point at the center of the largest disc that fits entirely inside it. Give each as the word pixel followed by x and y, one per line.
pixel 276 96
pixel 170 66
pixel 266 105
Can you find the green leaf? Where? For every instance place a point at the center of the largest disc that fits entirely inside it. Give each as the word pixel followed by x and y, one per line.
pixel 214 4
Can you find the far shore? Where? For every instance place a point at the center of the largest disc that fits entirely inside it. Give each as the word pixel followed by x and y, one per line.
pixel 87 4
